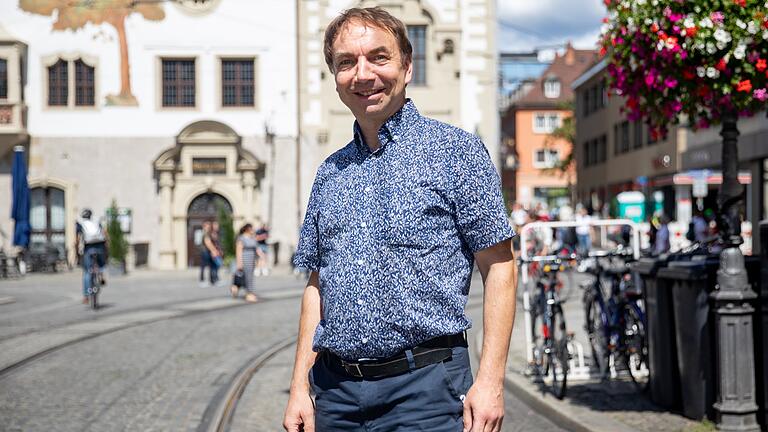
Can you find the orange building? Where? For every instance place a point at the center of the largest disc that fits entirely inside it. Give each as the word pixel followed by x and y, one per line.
pixel 529 153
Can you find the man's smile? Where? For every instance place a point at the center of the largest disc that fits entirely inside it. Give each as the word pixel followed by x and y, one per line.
pixel 366 93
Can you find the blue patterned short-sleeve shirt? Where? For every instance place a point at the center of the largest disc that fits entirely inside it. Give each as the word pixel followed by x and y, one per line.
pixel 392 235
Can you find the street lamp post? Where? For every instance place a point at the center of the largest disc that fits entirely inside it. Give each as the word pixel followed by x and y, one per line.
pixel 735 404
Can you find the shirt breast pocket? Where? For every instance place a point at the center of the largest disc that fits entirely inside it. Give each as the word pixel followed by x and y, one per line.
pixel 416 217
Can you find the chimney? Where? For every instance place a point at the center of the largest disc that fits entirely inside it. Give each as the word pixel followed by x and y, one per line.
pixel 570 54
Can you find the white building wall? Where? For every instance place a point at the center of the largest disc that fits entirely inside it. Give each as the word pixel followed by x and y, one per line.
pixel 107 151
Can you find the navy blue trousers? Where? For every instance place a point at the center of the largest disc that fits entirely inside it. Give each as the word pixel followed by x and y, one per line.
pixel 425 399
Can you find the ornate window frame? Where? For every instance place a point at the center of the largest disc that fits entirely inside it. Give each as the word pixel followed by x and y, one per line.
pixel 70 58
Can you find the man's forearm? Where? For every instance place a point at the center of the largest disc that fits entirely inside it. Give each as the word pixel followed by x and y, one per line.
pixel 310 317
pixel 498 319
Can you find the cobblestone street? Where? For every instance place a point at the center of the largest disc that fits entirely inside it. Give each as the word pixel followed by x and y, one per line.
pixel 163 366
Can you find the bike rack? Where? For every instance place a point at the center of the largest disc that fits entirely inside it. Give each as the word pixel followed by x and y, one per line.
pixel 577 367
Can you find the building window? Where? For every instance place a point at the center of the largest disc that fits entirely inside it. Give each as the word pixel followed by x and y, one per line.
pixel 545 122
pixel 551 88
pixel 47 217
pixel 178 82
pixel 3 79
pixel 84 84
pixel 624 136
pixel 237 83
pixel 417 34
pixel 545 158
pixel 58 84
pixel 638 139
pixel 71 77
pixel 602 149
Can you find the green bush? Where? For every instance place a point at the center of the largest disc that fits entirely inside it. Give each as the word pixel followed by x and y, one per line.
pixel 227 233
pixel 118 245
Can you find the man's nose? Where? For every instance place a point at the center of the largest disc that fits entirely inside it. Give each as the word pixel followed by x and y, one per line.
pixel 364 70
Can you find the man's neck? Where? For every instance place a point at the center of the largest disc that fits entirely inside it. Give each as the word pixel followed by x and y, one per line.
pixel 370 128
pixel 370 131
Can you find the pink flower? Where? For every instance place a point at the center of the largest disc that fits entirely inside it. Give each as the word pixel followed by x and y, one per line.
pixel 650 79
pixel 670 82
pixel 760 94
pixel 717 17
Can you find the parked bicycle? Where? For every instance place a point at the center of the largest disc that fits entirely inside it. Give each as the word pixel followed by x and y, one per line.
pixel 615 321
pixel 549 333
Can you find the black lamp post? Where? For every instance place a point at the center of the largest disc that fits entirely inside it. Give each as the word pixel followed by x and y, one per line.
pixel 735 404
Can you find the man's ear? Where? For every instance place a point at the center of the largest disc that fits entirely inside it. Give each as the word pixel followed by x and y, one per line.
pixel 408 71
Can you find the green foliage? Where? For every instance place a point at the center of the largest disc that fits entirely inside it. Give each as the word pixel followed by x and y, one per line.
pixel 227 233
pixel 565 132
pixel 118 245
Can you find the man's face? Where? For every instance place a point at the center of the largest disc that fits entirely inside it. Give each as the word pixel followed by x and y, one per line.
pixel 370 75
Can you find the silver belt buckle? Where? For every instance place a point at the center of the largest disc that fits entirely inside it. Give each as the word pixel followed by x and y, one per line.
pixel 353 369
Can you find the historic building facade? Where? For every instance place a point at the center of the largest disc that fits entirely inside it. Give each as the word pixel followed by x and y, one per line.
pixel 171 110
pixel 179 110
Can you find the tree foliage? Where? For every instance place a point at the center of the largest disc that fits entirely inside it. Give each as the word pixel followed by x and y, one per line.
pixel 118 245
pixel 74 14
pixel 227 233
pixel 565 132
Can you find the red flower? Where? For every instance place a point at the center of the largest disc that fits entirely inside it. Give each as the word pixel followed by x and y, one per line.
pixel 688 75
pixel 603 51
pixel 654 27
pixel 744 86
pixel 721 65
pixel 741 3
pixel 691 31
pixel 761 65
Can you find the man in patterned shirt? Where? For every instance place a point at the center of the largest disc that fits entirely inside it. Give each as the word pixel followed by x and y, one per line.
pixel 395 221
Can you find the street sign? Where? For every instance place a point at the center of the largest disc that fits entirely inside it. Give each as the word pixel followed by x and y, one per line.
pixel 700 188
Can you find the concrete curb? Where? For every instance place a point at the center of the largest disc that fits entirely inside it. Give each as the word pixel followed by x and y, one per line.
pixel 560 412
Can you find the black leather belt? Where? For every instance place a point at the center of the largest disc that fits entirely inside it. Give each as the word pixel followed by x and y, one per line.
pixel 430 352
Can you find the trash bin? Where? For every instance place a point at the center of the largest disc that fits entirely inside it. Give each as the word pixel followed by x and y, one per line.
pixel 692 282
pixel 662 347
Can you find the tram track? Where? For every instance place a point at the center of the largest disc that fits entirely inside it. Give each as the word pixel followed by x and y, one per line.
pixel 117 322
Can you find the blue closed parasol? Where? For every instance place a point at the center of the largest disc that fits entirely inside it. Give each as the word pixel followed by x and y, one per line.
pixel 21 199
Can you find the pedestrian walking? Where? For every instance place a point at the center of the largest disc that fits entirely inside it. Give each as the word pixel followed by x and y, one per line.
pixel 245 255
pixel 395 222
pixel 205 256
pixel 217 258
pixel 583 230
pixel 661 243
pixel 211 252
pixel 262 258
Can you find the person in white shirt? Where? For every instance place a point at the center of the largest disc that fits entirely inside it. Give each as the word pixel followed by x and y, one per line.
pixel 583 230
pixel 94 243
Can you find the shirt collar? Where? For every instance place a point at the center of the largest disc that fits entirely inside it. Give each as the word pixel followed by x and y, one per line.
pixel 392 129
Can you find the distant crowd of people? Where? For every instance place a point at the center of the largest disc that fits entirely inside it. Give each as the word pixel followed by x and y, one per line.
pixel 251 257
pixel 579 238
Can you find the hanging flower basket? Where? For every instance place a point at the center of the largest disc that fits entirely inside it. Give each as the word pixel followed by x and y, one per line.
pixel 687 60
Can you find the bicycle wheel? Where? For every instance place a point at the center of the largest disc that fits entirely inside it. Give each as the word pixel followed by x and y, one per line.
pixel 538 335
pixel 598 339
pixel 93 295
pixel 558 353
pixel 636 348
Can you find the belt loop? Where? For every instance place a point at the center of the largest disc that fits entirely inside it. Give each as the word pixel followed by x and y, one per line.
pixel 411 361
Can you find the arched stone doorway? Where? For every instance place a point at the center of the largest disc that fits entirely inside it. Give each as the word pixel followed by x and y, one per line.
pixel 205 207
pixel 208 161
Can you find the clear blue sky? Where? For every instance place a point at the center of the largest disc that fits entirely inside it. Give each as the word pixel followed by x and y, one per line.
pixel 528 24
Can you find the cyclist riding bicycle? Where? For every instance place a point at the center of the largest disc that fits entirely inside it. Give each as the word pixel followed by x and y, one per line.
pixel 94 244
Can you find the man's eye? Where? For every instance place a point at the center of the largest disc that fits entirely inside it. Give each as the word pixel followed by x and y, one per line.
pixel 380 58
pixel 344 63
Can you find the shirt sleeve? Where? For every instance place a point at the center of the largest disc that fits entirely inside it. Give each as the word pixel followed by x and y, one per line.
pixel 480 212
pixel 308 250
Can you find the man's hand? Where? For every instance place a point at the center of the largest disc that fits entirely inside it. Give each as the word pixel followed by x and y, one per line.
pixel 300 413
pixel 484 407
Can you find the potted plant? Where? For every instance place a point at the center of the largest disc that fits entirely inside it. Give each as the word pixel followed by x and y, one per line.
pixel 117 244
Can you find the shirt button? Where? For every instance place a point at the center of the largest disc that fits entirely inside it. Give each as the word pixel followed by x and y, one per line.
pixel 360 302
pixel 360 262
pixel 367 188
pixel 365 340
pixel 363 224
